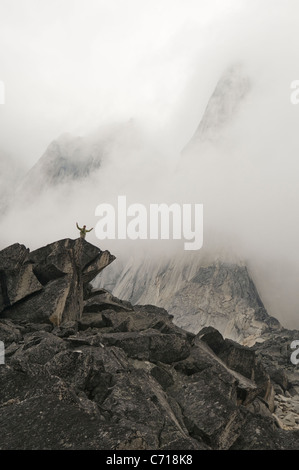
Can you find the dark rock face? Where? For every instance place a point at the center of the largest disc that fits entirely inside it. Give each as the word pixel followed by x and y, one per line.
pixel 110 375
pixel 48 284
pixel 275 352
pixel 153 387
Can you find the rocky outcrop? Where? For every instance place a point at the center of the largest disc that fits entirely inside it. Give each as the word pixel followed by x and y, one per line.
pixel 48 284
pixel 275 352
pixel 86 370
pixel 132 380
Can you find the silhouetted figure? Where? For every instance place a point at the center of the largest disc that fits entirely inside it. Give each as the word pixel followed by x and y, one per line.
pixel 83 230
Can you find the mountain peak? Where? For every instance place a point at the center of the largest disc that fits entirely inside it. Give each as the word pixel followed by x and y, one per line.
pixel 231 89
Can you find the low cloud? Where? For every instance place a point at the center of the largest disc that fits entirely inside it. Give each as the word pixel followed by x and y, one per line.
pixel 147 74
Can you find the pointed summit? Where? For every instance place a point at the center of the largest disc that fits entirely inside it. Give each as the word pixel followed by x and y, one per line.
pixel 231 89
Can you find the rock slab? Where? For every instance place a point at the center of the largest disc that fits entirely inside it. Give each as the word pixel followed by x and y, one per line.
pixel 48 284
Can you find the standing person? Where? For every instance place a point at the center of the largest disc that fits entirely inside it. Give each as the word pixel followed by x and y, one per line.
pixel 83 230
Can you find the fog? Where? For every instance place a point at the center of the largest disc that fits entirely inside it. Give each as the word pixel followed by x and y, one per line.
pixel 143 72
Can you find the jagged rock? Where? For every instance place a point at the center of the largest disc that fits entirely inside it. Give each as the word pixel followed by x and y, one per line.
pixel 48 284
pixel 91 385
pixel 13 256
pixel 141 389
pixel 66 329
pixel 122 317
pixel 260 433
pixel 92 320
pixel 9 333
pixel 17 280
pixel 241 359
pixel 275 353
pixel 126 377
pixel 150 345
pixel 128 390
pixel 210 413
pixel 103 301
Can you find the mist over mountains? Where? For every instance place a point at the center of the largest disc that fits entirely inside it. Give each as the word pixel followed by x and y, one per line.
pixel 229 165
pixel 231 89
pixel 126 344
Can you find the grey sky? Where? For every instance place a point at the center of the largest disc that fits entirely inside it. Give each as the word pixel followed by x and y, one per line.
pixel 71 65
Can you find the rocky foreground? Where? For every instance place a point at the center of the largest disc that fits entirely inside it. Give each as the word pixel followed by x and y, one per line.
pixel 86 370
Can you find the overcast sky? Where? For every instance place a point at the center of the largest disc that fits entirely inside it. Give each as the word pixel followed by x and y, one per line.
pixel 74 65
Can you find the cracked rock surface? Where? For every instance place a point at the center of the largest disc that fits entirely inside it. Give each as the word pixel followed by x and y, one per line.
pixel 112 375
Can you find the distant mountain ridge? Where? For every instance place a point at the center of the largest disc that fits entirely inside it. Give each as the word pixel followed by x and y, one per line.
pixel 66 159
pixel 72 158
